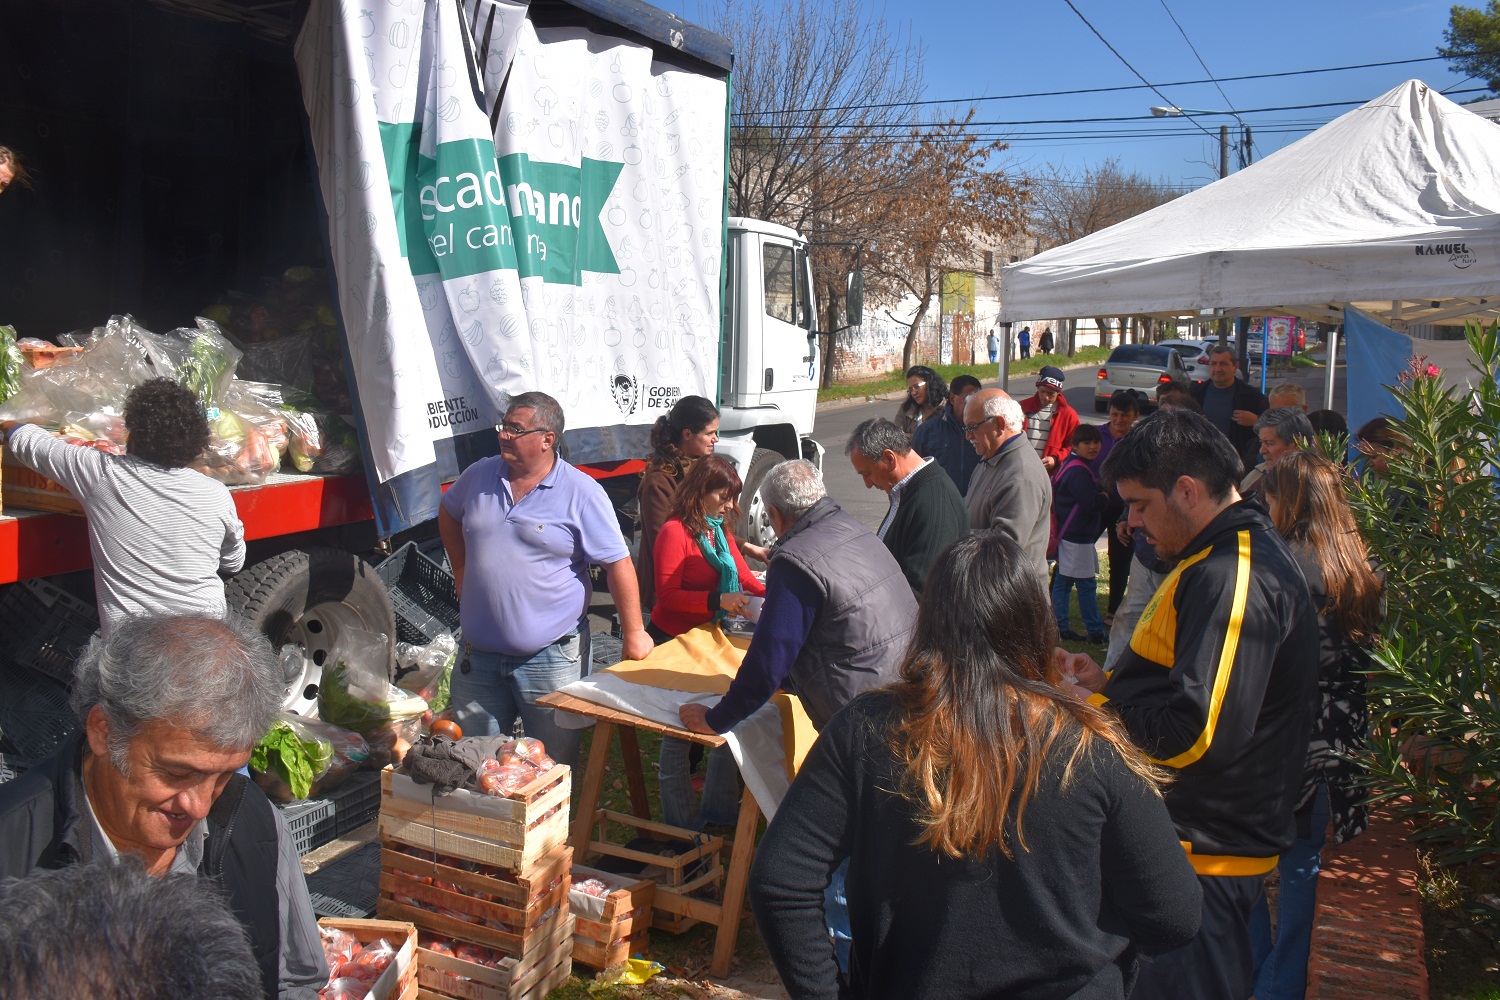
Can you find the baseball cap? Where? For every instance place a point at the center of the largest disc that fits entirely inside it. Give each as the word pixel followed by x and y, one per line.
pixel 1050 375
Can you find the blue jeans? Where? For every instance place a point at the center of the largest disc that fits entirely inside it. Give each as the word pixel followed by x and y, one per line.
pixel 499 688
pixel 1281 968
pixel 721 793
pixel 1088 603
pixel 836 915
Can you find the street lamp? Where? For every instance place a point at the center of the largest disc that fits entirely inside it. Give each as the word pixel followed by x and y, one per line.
pixel 1244 145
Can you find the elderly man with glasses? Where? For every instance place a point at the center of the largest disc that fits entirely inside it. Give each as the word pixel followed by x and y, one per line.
pixel 529 525
pixel 1010 490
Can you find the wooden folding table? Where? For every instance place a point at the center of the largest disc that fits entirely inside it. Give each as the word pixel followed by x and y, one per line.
pixel 724 915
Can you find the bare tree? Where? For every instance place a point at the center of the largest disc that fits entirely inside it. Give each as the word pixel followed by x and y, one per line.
pixel 948 206
pixel 1068 205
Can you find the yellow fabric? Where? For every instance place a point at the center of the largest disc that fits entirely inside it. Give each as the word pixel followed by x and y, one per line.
pixel 1227 655
pixel 704 660
pixel 1155 635
pixel 1226 864
pixel 1098 698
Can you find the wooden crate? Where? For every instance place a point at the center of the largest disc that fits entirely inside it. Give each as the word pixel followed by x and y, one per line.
pixel 511 833
pixel 46 357
pixel 624 916
pixel 482 922
pixel 27 488
pixel 443 976
pixel 531 892
pixel 674 903
pixel 399 980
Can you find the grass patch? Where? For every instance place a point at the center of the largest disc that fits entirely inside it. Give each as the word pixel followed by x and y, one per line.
pixel 896 381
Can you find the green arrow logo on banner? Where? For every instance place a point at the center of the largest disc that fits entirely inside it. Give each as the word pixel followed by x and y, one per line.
pixel 463 213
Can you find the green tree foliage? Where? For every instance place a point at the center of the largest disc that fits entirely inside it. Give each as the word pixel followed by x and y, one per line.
pixel 1473 38
pixel 1431 526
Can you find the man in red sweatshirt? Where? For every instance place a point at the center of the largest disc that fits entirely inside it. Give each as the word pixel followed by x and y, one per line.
pixel 1050 419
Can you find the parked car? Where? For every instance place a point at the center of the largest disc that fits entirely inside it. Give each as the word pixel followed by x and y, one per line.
pixel 1194 355
pixel 1141 367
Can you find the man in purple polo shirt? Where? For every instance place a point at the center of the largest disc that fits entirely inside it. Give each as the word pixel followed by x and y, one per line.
pixel 531 524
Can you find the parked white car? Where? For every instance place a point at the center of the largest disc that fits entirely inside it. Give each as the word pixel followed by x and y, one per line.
pixel 1194 354
pixel 1140 367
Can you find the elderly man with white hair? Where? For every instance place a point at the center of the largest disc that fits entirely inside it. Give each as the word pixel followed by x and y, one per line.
pixel 1010 490
pixel 171 708
pixel 838 609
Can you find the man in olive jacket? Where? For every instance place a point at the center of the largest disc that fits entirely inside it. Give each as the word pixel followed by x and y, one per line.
pixel 927 513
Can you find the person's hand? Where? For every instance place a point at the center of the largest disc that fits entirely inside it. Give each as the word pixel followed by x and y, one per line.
pixel 1079 671
pixel 1049 462
pixel 1245 418
pixel 636 645
pixel 735 603
pixel 754 551
pixel 1124 532
pixel 695 719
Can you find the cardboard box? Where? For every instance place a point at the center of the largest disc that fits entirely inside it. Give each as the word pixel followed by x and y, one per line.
pixel 399 980
pixel 24 487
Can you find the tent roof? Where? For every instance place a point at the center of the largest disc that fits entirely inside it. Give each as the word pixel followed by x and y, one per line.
pixel 1393 207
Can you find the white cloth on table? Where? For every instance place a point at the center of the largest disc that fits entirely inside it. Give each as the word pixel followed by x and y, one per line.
pixel 756 743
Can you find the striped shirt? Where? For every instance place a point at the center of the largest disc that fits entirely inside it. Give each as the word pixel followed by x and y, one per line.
pixel 1039 428
pixel 890 515
pixel 159 537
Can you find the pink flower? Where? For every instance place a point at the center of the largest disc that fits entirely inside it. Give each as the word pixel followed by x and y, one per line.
pixel 1433 371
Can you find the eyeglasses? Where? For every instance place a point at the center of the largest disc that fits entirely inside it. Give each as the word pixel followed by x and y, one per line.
pixel 512 431
pixel 971 428
pixel 916 385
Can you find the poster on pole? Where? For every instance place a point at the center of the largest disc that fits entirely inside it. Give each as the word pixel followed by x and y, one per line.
pixel 1279 334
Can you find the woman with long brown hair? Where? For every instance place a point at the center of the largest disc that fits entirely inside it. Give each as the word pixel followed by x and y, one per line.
pixel 1305 493
pixel 700 577
pixel 1003 837
pixel 679 438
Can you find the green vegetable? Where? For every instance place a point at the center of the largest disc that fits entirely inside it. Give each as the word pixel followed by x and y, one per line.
pixel 336 704
pixel 294 760
pixel 11 362
pixel 204 367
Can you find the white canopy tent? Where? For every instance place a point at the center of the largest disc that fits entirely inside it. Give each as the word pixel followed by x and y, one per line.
pixel 1393 207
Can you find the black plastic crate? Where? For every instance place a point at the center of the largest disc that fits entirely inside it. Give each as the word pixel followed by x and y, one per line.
pixel 423 594
pixel 34 714
pixel 45 627
pixel 347 887
pixel 356 801
pixel 311 823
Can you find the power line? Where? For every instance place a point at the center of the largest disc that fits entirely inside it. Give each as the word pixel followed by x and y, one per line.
pixel 1085 90
pixel 1246 152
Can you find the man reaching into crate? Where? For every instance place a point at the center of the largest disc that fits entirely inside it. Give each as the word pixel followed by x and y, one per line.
pixel 171 708
pixel 521 531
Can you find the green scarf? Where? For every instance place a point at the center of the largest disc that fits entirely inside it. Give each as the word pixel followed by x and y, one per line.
pixel 715 549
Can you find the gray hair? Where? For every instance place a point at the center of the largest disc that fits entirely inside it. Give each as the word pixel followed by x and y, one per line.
pixel 548 413
pixel 876 436
pixel 1007 409
pixel 793 487
pixel 1289 423
pixel 218 678
pixel 1289 389
pixel 110 931
pixel 1224 349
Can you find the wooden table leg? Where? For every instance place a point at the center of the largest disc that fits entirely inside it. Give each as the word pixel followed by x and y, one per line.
pixel 588 794
pixel 630 750
pixel 734 886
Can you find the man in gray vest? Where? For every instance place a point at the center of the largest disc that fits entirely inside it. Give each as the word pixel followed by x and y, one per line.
pixel 838 609
pixel 1010 490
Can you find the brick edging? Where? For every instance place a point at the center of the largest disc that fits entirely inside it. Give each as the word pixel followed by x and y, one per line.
pixel 1367 940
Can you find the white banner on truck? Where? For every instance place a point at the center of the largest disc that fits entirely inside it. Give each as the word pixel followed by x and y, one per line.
pixel 569 240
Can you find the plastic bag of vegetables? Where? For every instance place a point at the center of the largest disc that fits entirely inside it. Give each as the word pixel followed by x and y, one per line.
pixel 430 669
pixel 11 363
pixel 356 692
pixel 300 758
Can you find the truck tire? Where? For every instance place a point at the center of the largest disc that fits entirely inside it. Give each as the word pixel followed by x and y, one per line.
pixel 308 596
pixel 755 517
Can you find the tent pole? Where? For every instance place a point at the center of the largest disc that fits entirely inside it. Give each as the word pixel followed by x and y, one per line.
pixel 1333 357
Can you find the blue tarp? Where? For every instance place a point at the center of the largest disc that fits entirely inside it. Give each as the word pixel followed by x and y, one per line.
pixel 1376 355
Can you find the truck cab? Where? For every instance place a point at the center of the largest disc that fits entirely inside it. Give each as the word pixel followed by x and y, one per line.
pixel 768 360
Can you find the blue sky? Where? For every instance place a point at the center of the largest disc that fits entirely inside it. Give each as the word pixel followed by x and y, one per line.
pixel 982 49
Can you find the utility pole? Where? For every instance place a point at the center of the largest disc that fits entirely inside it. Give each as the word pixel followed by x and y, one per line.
pixel 1223 151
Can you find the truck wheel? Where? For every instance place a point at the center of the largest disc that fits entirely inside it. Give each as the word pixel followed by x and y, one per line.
pixel 308 596
pixel 755 517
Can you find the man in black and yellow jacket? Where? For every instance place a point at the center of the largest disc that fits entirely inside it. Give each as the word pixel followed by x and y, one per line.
pixel 1218 684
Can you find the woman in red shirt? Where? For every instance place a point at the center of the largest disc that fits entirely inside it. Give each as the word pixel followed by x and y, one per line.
pixel 700 578
pixel 700 574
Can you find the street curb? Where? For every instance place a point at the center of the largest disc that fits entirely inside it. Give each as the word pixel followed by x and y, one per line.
pixel 839 404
